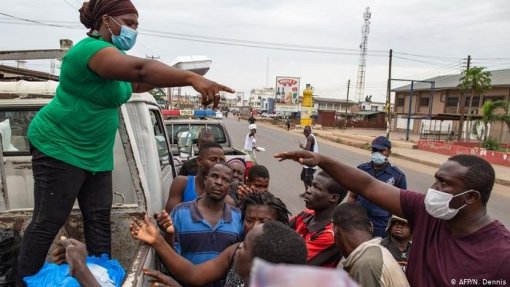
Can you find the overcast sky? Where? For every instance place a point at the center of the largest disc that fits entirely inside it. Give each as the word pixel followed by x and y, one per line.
pixel 428 38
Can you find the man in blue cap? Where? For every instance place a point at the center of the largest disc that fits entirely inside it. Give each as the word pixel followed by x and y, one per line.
pixel 380 168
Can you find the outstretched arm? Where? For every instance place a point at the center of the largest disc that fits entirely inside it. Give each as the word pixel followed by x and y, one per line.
pixel 141 88
pixel 355 180
pixel 109 63
pixel 182 269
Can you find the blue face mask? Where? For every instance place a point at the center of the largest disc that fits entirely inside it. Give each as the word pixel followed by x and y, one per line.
pixel 127 38
pixel 378 158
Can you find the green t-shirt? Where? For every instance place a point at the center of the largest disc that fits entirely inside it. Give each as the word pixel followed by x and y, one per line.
pixel 79 125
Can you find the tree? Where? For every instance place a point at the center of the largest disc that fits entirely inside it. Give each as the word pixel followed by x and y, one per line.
pixel 492 112
pixel 158 94
pixel 477 81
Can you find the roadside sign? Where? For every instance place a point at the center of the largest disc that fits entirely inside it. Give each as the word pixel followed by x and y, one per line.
pixel 186 112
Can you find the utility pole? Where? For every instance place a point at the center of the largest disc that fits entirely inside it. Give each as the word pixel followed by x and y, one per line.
pixel 462 103
pixel 347 104
pixel 169 98
pixel 388 98
pixel 267 73
pixel 409 111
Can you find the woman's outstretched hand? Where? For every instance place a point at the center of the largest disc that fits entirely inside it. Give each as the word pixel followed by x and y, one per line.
pixel 209 90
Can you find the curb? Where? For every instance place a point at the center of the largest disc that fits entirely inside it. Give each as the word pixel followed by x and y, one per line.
pixel 366 146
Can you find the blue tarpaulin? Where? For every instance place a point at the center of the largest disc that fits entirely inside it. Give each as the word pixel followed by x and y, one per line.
pixel 58 275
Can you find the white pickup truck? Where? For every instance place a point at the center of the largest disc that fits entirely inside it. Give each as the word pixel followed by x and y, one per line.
pixel 142 174
pixel 183 135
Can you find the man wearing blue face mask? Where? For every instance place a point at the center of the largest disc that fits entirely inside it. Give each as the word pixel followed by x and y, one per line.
pixel 380 168
pixel 455 241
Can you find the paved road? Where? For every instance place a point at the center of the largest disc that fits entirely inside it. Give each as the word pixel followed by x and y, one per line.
pixel 285 182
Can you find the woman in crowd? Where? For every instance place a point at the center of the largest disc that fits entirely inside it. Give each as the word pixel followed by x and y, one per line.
pixel 238 166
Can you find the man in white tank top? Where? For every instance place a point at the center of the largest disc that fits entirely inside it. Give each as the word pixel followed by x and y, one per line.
pixel 311 145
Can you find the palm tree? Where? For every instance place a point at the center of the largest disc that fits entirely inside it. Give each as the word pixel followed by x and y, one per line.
pixel 477 81
pixel 492 112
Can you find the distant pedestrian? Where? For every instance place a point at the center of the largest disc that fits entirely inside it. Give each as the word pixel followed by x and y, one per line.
pixel 251 119
pixel 380 168
pixel 250 141
pixel 311 145
pixel 398 241
pixel 287 122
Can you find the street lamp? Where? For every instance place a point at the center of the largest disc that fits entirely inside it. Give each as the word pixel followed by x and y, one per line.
pixel 196 64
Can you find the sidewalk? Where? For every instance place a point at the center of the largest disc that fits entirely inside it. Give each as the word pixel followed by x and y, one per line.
pixel 401 148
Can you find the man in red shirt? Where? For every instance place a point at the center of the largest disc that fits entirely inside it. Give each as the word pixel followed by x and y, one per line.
pixel 455 241
pixel 314 223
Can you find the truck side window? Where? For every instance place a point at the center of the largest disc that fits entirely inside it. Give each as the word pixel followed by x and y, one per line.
pixel 159 137
pixel 13 129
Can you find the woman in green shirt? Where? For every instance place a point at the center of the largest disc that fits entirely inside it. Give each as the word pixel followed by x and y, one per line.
pixel 72 137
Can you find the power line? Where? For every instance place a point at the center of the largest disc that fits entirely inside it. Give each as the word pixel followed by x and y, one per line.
pixel 75 8
pixel 244 43
pixel 277 46
pixel 426 56
pixel 36 22
pixel 228 41
pixel 185 35
pixel 442 69
pixel 415 60
pixel 143 49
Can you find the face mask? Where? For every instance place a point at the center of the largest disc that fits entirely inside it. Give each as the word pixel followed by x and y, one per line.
pixel 127 38
pixel 378 158
pixel 437 204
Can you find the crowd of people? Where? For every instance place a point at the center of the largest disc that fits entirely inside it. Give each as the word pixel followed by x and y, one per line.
pixel 213 238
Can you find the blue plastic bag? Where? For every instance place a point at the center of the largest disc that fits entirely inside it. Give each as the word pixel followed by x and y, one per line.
pixel 58 275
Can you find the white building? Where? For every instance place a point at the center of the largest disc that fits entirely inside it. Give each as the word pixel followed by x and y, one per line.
pixel 259 98
pixel 372 106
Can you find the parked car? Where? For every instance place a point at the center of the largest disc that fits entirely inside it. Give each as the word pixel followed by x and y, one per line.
pixel 183 135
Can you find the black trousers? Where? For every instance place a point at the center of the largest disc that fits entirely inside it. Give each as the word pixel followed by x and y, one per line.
pixel 57 185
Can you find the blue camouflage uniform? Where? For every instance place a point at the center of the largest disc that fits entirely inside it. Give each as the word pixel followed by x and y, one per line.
pixel 378 216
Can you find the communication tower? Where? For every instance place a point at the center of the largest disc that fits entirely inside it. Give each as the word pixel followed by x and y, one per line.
pixel 360 83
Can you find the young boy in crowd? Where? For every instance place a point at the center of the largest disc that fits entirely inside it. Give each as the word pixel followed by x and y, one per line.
pixel 398 241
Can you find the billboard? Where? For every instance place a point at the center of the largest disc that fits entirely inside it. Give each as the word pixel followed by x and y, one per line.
pixel 287 90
